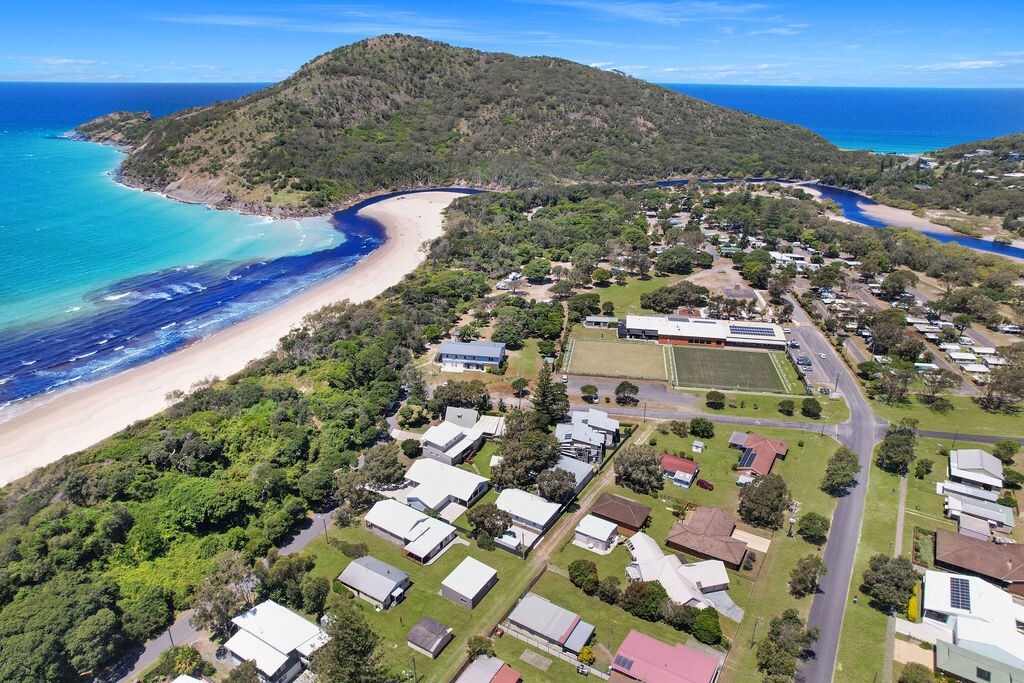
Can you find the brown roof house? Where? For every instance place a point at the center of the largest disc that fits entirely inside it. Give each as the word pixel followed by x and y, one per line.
pixel 627 514
pixel 758 454
pixel 1002 564
pixel 707 533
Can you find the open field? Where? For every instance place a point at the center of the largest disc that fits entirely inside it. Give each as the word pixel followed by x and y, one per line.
pixel 965 414
pixel 732 369
pixel 617 359
pixel 626 298
pixel 833 410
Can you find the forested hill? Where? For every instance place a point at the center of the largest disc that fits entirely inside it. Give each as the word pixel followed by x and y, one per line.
pixel 396 112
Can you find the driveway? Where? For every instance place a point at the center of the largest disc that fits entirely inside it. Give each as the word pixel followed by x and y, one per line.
pixel 724 604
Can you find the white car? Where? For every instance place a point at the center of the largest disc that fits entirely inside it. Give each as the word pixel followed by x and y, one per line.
pixel 821 356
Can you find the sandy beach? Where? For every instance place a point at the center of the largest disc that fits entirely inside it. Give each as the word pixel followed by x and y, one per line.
pixel 52 426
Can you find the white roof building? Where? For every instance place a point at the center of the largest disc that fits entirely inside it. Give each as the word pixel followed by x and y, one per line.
pixel 997 515
pixel 975 615
pixel 704 330
pixel 961 357
pixel 595 527
pixel 684 583
pixel 469 582
pixel 277 639
pixel 423 535
pixel 527 508
pixel 977 467
pixel 438 484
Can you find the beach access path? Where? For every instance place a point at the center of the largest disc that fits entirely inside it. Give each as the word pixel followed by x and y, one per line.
pixel 50 427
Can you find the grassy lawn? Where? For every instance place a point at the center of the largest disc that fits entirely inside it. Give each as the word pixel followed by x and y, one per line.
pixel 481 462
pixel 510 649
pixel 424 597
pixel 627 297
pixel 617 359
pixel 965 414
pixel 833 411
pixel 731 369
pixel 524 362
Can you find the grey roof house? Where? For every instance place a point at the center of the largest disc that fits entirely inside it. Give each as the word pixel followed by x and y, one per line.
pixel 588 435
pixel 546 620
pixel 475 355
pixel 377 582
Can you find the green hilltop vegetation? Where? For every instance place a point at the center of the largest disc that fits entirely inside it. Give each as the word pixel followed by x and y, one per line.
pixel 398 112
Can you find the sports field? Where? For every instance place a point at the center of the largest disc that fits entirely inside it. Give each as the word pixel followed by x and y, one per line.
pixel 617 359
pixel 732 369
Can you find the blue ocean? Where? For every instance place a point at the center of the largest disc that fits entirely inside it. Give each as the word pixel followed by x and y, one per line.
pixel 96 277
pixel 902 120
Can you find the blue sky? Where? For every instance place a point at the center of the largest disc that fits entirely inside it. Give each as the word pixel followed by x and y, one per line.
pixel 868 43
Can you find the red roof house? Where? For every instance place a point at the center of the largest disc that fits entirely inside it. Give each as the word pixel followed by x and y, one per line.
pixel 759 453
pixel 682 471
pixel 642 658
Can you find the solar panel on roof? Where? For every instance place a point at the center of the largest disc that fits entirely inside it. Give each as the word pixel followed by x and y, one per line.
pixel 747 458
pixel 623 662
pixel 959 593
pixel 751 330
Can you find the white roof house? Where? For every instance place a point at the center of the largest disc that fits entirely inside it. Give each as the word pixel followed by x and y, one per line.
pixel 450 443
pixel 996 514
pixel 977 467
pixel 961 357
pixel 595 527
pixel 684 583
pixel 423 535
pixel 975 369
pixel 945 487
pixel 975 615
pixel 993 361
pixel 983 350
pixel 438 484
pixel 527 508
pixel 276 638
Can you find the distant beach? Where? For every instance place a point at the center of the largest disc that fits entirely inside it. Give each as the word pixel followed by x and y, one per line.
pixel 49 427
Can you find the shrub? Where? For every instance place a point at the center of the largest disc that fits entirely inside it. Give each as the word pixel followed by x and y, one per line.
pixel 485 542
pixel 714 400
pixel 702 427
pixel 590 584
pixel 707 628
pixel 643 599
pixel 786 406
pixel 579 570
pixel 412 448
pixel 479 646
pixel 587 656
pixel 810 408
pixel 916 673
pixel 923 468
pixel 749 560
pixel 608 590
pixel 679 428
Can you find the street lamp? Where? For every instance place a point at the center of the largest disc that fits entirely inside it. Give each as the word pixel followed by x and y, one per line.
pixel 792 521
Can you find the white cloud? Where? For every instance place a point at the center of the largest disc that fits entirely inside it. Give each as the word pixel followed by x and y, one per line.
pixel 600 65
pixel 666 13
pixel 966 65
pixel 787 30
pixel 54 61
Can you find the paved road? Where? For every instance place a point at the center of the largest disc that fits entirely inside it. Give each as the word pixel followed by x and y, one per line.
pixel 860 434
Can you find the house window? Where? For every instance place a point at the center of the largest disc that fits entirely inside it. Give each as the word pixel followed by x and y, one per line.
pixel 984 674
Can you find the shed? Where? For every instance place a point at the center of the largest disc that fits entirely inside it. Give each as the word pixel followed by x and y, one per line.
pixel 546 620
pixel 374 581
pixel 489 670
pixel 429 637
pixel 469 583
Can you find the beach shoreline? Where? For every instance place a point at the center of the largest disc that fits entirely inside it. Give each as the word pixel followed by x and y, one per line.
pixel 49 427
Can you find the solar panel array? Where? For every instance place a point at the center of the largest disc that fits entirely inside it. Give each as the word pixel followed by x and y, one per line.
pixel 747 458
pixel 959 593
pixel 752 330
pixel 623 662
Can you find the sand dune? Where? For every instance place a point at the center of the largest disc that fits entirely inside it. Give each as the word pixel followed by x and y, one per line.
pixel 50 427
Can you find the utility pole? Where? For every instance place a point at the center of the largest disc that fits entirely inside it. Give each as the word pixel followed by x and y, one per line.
pixel 953 447
pixel 326 537
pixel 414 679
pixel 835 387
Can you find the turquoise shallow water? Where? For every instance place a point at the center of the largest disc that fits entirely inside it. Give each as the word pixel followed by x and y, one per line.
pixel 68 229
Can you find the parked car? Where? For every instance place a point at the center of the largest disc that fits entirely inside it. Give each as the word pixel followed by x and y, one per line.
pixel 787 330
pixel 705 484
pixel 565 379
